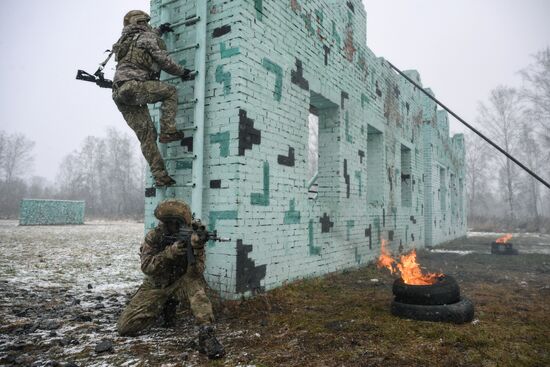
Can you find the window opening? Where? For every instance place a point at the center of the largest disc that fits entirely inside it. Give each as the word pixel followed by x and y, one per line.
pixel 406 177
pixel 323 146
pixel 442 189
pixel 313 145
pixel 375 166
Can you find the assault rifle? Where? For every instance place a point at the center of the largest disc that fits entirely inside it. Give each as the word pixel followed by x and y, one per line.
pixel 184 235
pixel 98 76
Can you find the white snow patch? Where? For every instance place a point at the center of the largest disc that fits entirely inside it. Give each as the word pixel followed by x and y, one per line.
pixel 459 252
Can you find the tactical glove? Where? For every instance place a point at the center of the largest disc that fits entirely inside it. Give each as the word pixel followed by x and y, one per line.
pixel 199 236
pixel 165 28
pixel 187 75
pixel 175 250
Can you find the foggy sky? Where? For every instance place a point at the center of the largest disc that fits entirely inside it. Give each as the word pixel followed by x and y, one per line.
pixel 462 49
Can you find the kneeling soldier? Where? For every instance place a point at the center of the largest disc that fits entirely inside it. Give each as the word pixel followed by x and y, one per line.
pixel 170 280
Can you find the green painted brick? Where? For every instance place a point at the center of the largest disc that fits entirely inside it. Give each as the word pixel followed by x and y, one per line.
pixel 364 100
pixel 292 216
pixel 278 71
pixel 215 216
pixel 258 5
pixel 313 250
pixel 262 198
pixel 349 138
pixel 359 182
pixel 51 212
pixel 184 164
pixel 228 52
pixel 223 140
pixel 224 78
pixel 335 35
pixel 349 225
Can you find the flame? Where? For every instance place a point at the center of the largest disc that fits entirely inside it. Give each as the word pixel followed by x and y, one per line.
pixel 408 267
pixel 507 237
pixel 411 273
pixel 385 260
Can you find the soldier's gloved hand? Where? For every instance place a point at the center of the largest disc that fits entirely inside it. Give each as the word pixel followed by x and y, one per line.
pixel 187 75
pixel 198 241
pixel 165 28
pixel 175 250
pixel 199 236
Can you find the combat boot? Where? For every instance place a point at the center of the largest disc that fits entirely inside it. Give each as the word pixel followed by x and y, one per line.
pixel 164 181
pixel 169 137
pixel 209 344
pixel 169 313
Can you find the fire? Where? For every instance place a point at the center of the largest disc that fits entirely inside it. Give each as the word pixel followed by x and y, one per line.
pixel 385 260
pixel 407 267
pixel 507 237
pixel 411 273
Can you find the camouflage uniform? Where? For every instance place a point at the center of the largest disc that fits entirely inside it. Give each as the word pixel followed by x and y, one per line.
pixel 167 278
pixel 141 55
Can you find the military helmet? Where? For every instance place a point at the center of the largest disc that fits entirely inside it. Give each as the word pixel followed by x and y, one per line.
pixel 173 209
pixel 135 16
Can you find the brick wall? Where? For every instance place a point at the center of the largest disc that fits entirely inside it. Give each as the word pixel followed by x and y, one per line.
pixel 270 64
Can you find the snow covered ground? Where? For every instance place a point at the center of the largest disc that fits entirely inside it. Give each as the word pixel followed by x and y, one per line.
pixel 62 289
pixel 105 255
pixel 63 286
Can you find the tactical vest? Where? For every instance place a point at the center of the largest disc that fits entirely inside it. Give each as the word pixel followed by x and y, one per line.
pixel 127 52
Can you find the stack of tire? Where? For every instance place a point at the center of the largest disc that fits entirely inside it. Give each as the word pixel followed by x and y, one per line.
pixel 439 302
pixel 503 249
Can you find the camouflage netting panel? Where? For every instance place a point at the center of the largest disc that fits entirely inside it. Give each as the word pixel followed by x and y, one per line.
pixel 44 212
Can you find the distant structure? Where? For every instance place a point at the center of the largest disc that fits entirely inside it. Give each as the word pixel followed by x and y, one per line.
pixel 35 212
pixel 386 165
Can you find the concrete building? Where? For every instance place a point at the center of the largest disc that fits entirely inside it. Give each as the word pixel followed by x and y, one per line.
pixel 386 166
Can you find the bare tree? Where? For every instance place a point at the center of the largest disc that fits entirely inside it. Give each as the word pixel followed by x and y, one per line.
pixel 477 175
pixel 121 168
pixel 39 188
pixel 16 156
pixel 106 174
pixel 501 119
pixel 88 156
pixel 537 92
pixel 3 142
pixel 69 177
pixel 531 151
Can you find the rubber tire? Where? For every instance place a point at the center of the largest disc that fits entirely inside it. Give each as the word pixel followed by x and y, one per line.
pixel 458 313
pixel 443 292
pixel 499 249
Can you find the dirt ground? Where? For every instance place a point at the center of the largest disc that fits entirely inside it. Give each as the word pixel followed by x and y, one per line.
pixel 62 289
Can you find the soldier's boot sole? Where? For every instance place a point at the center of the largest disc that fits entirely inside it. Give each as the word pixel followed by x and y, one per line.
pixel 165 181
pixel 170 137
pixel 169 313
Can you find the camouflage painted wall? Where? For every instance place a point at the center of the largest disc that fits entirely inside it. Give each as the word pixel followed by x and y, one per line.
pixel 46 212
pixel 381 141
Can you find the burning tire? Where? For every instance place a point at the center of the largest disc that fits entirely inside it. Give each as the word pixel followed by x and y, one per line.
pixel 503 249
pixel 444 291
pixel 458 312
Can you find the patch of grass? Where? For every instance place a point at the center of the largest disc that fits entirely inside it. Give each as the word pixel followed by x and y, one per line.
pixel 344 319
